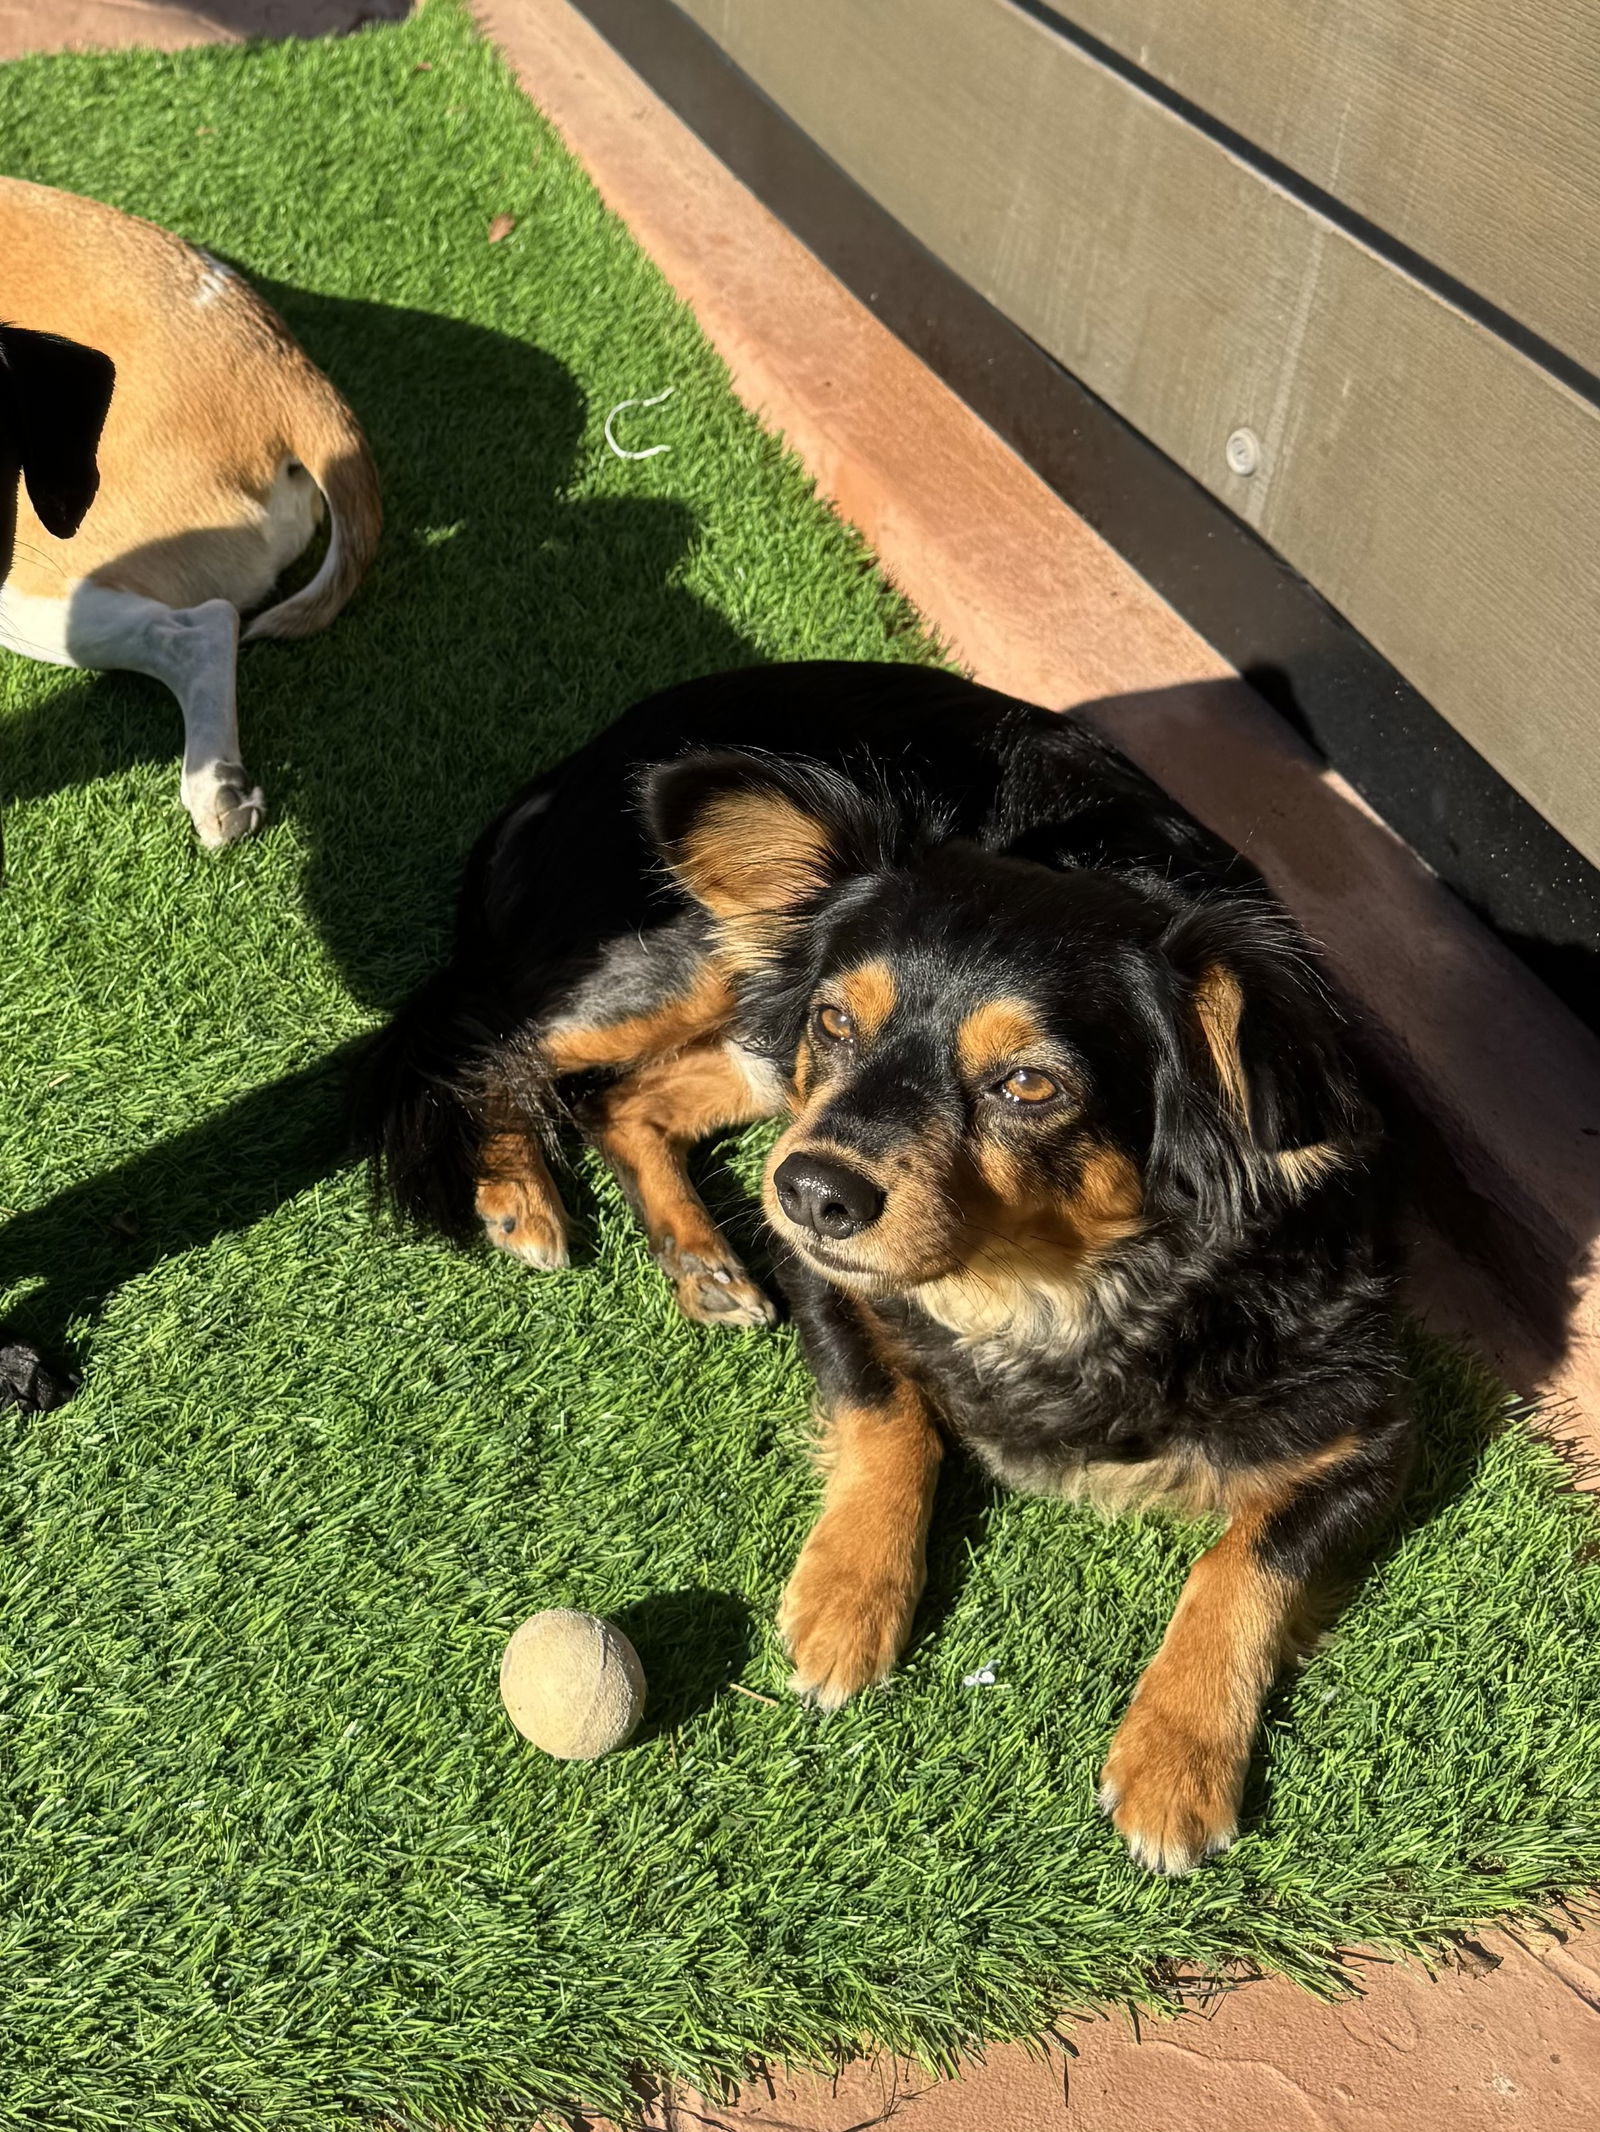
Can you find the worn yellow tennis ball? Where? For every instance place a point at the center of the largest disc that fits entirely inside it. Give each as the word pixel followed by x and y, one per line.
pixel 572 1684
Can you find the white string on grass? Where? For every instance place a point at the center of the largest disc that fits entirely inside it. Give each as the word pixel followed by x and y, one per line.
pixel 621 408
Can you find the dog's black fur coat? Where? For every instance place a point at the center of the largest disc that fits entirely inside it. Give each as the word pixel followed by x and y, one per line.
pixel 1010 850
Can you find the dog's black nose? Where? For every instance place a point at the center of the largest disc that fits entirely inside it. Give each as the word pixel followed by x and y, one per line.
pixel 827 1196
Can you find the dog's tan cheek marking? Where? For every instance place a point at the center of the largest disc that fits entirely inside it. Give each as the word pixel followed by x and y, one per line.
pixel 1031 1255
pixel 1003 1175
pixel 1108 1204
pixel 704 1010
pixel 917 1219
pixel 1002 1032
pixel 847 1611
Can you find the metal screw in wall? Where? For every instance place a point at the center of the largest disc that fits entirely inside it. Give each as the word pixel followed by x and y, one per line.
pixel 1243 451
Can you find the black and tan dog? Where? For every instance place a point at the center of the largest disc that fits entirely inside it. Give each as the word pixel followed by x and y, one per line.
pixel 1077 1174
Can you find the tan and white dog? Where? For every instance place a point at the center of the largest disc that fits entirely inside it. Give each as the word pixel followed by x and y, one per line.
pixel 222 441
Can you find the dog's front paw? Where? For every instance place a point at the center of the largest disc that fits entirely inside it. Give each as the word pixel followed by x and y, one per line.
pixel 715 1291
pixel 846 1613
pixel 526 1220
pixel 225 806
pixel 1173 1795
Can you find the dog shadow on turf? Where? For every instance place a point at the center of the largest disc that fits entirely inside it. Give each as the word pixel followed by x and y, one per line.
pixel 504 621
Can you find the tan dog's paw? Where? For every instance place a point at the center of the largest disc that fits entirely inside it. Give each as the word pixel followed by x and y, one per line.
pixel 525 1220
pixel 846 1613
pixel 224 806
pixel 1174 1797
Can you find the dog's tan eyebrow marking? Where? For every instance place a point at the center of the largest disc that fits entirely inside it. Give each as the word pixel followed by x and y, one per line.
pixel 868 994
pixel 998 1033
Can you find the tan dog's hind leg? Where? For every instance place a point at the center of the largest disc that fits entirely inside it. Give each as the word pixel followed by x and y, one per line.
pixel 192 650
pixel 847 1611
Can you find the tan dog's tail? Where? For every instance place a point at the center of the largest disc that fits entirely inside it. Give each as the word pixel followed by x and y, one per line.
pixel 327 441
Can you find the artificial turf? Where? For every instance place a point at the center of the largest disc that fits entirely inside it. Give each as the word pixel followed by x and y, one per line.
pixel 270 1855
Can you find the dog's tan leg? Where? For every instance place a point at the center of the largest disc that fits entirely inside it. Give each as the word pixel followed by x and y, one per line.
pixel 641 1125
pixel 194 652
pixel 1176 1770
pixel 699 1011
pixel 644 1126
pixel 846 1614
pixel 1175 1774
pixel 518 1202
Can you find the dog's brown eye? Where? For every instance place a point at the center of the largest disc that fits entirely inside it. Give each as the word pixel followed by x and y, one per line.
pixel 835 1025
pixel 1028 1085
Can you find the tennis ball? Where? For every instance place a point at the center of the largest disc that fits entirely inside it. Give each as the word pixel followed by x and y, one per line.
pixel 572 1684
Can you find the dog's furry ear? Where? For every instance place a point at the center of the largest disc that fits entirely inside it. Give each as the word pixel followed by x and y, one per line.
pixel 1256 1100
pixel 757 840
pixel 54 395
